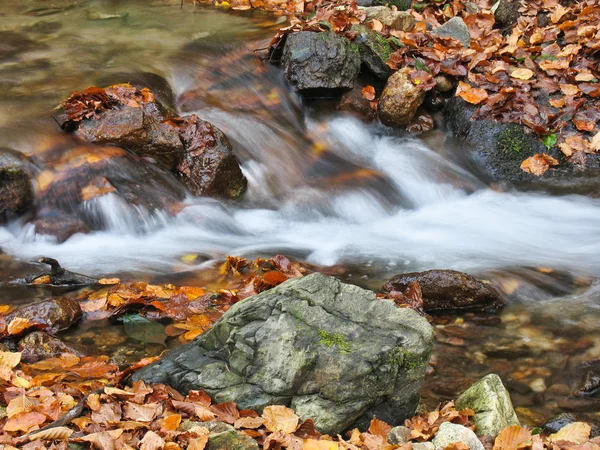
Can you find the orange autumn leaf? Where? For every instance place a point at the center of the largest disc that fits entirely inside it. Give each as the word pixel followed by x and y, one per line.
pixel 379 427
pixel 470 94
pixel 44 279
pixel 315 444
pixel 95 369
pixel 249 422
pixel 24 421
pixel 109 281
pixel 368 92
pixel 52 434
pixel 141 413
pixel 18 325
pixel 10 359
pixel 227 412
pixel 538 164
pixel 512 438
pixel 280 418
pixel 4 308
pixel 575 432
pixel 171 422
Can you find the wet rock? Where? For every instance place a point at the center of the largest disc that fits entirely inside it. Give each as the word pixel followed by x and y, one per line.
pixel 397 20
pixel 61 226
pixel 374 50
pixel 45 27
pixel 12 43
pixel 15 185
pixel 455 28
pixel 450 433
pixel 498 148
pixel 58 276
pixel 320 63
pixel 331 351
pixel 448 290
pixel 39 345
pixel 444 83
pixel 399 100
pixel 491 402
pixel 141 130
pixel 356 103
pixel 51 315
pixel 507 13
pixel 158 85
pixel 399 435
pixel 208 166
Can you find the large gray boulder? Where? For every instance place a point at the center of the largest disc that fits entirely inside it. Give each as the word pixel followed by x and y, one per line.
pixel 491 402
pixel 320 63
pixel 330 350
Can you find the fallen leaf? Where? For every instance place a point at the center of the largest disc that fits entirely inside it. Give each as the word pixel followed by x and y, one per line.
pixel 512 438
pixel 227 412
pixel 249 422
pixel 314 444
pixel 595 144
pixel 10 359
pixel 538 164
pixel 151 441
pixel 44 279
pixel 24 421
pixel 280 418
pixel 103 440
pixel 109 280
pixel 142 413
pixel 368 92
pixel 18 325
pixel 379 427
pixel 52 434
pixel 522 74
pixel 569 89
pixel 470 94
pixel 575 432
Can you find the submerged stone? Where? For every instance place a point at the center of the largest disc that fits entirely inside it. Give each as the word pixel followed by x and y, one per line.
pixel 329 350
pixel 491 402
pixel 15 185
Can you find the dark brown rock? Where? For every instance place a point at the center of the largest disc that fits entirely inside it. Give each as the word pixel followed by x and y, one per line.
pixel 39 345
pixel 51 315
pixel 356 103
pixel 448 290
pixel 15 185
pixel 62 227
pixel 209 166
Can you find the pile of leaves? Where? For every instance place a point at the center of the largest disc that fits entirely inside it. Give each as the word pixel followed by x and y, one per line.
pixel 542 73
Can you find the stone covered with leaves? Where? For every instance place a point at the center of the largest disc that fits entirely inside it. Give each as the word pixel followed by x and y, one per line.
pixel 330 350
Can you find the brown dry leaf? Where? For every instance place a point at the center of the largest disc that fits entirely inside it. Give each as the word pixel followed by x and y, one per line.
pixel 171 422
pixel 280 418
pixel 18 325
pixel 575 432
pixel 104 440
pixel 522 74
pixel 569 89
pixel 151 441
pixel 317 444
pixel 377 25
pixel 379 427
pixel 198 443
pixel 368 92
pixel 44 279
pixel 24 421
pixel 109 281
pixel 538 164
pixel 142 413
pixel 249 422
pixel 116 392
pixel 557 102
pixel 19 405
pixel 52 434
pixel 470 94
pixel 595 143
pixel 512 438
pixel 107 414
pixel 227 412
pixel 457 446
pixel 558 13
pixel 10 359
pixel 584 76
pixel 172 446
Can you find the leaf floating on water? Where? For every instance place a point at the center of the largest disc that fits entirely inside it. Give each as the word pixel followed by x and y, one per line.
pixel 576 432
pixel 144 330
pixel 109 281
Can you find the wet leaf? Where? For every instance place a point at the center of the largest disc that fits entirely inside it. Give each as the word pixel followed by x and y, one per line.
pixel 280 418
pixel 109 281
pixel 18 325
pixel 538 164
pixel 144 330
pixel 368 92
pixel 470 94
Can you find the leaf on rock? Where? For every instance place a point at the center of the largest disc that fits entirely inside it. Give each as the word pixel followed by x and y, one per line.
pixel 249 422
pixel 18 325
pixel 538 164
pixel 575 432
pixel 513 438
pixel 314 444
pixel 368 92
pixel 198 443
pixel 470 94
pixel 280 418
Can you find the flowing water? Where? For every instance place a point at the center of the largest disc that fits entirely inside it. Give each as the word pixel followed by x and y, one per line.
pixel 357 200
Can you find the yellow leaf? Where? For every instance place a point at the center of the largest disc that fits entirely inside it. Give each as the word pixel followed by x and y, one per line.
pixel 10 359
pixel 19 405
pixel 17 325
pixel 575 432
pixel 569 89
pixel 45 279
pixel 522 74
pixel 109 281
pixel 4 308
pixel 512 438
pixel 538 164
pixel 52 434
pixel 318 444
pixel 280 418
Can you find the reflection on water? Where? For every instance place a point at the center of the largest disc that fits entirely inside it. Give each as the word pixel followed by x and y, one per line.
pixel 359 201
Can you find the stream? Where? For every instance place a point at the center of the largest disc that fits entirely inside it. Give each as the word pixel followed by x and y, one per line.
pixel 358 201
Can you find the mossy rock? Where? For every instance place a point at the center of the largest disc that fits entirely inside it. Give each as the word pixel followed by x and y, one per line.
pixel 374 51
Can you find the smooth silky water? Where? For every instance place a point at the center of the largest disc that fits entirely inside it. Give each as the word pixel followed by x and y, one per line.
pixel 358 201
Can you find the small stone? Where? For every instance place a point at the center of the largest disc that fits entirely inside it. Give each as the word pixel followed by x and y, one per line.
pixel 538 385
pixel 491 402
pixel 456 29
pixel 444 83
pixel 450 433
pixel 402 21
pixel 400 100
pixel 399 435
